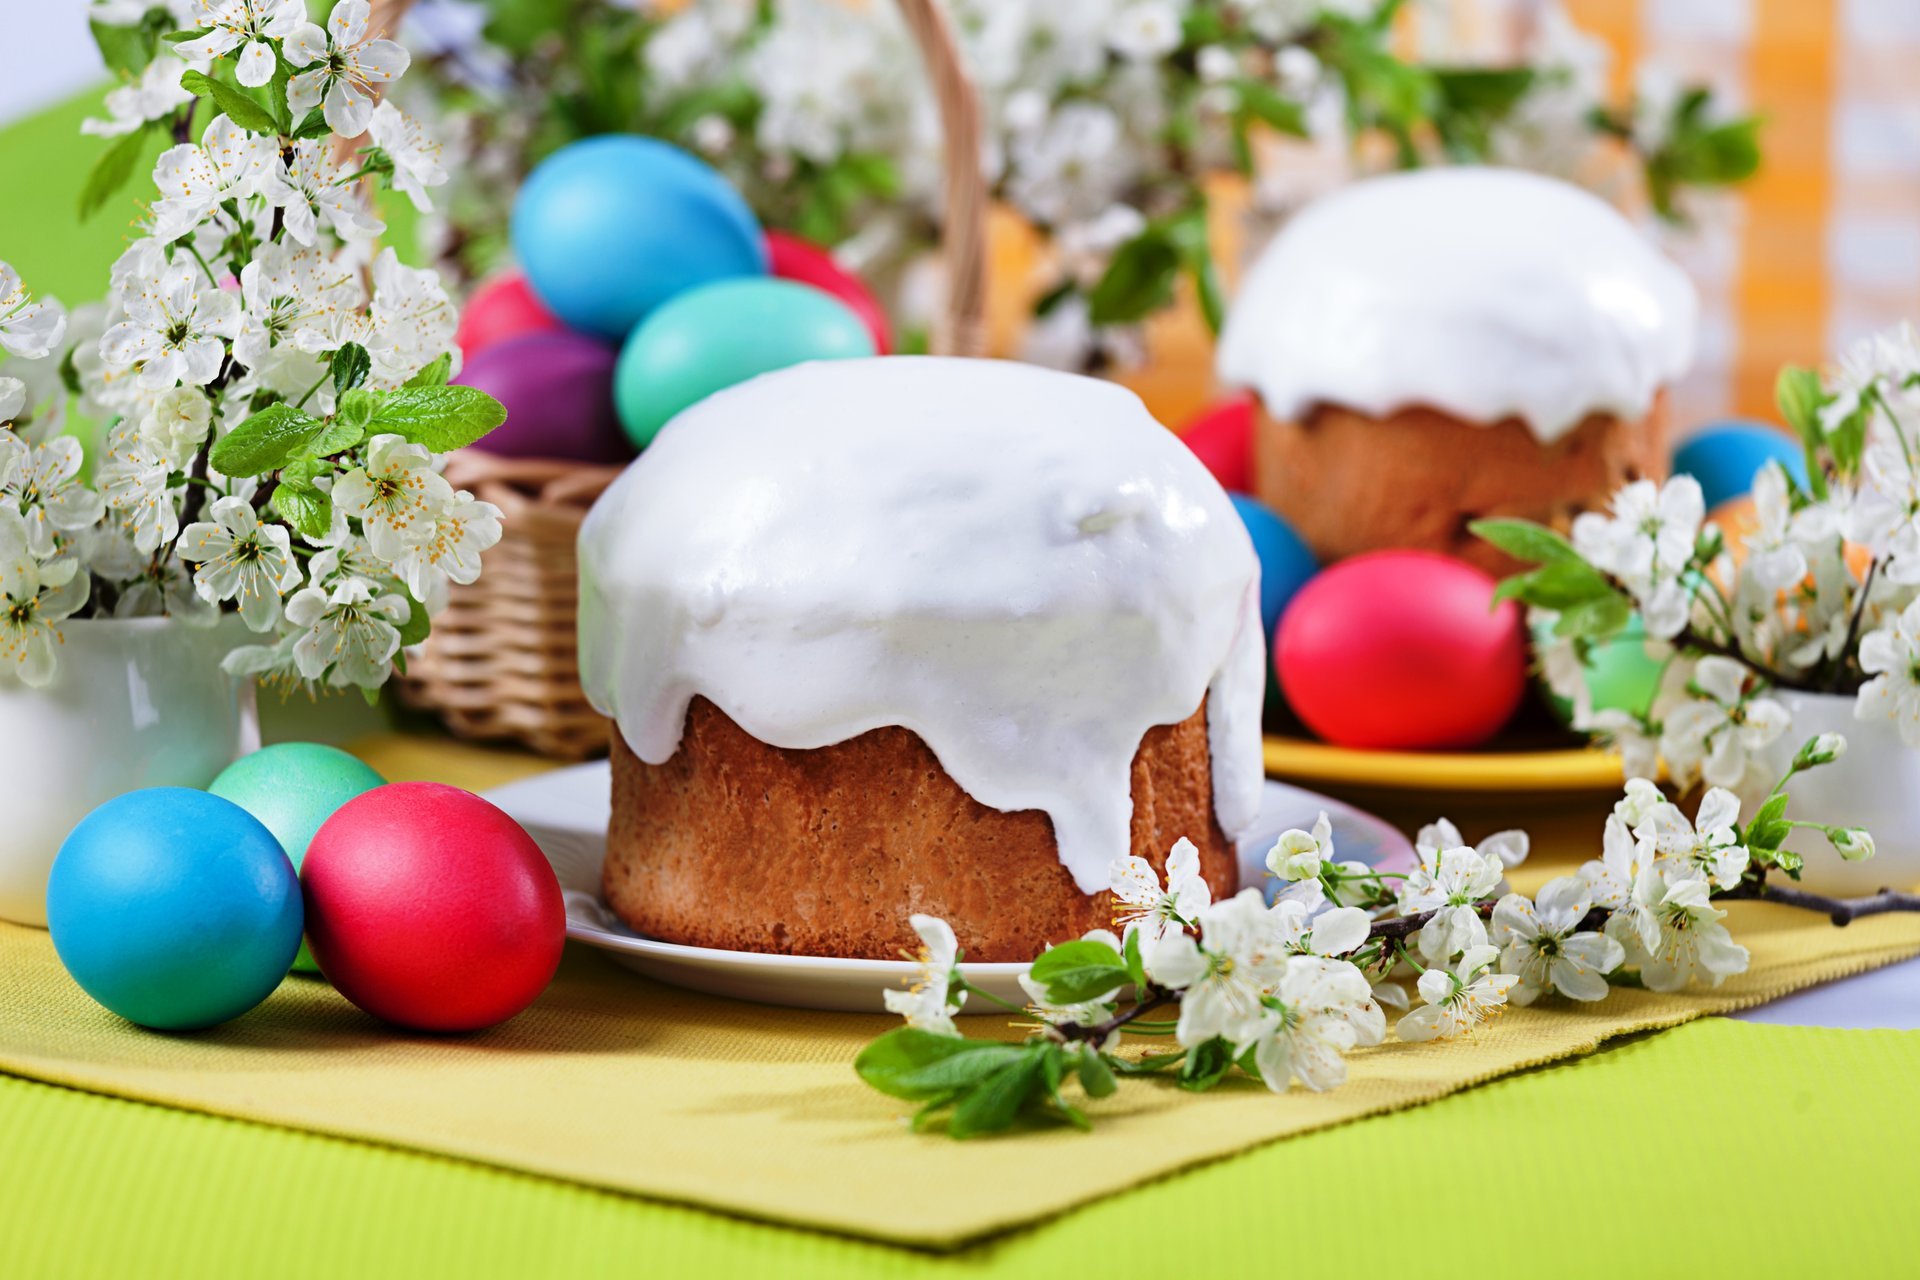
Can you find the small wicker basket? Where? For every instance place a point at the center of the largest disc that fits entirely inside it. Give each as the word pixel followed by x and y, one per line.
pixel 502 662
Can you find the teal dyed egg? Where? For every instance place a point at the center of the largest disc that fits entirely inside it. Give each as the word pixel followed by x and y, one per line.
pixel 1620 675
pixel 292 788
pixel 710 338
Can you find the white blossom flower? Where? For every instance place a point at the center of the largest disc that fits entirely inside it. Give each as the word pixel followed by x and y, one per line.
pixel 1159 913
pixel 40 482
pixel 133 479
pixel 1723 724
pixel 415 155
pixel 173 329
pixel 294 296
pixel 1627 735
pixel 246 25
pixel 1459 999
pixel 1891 656
pixel 34 597
pixel 145 586
pixel 451 551
pixel 177 424
pixel 1225 976
pixel 316 193
pixel 28 329
pixel 1710 844
pixel 1145 31
pixel 1450 882
pixel 1692 943
pixel 153 95
pixel 347 64
pixel 1778 547
pixel 1647 541
pixel 351 633
pixel 1074 165
pixel 412 320
pixel 1307 1026
pixel 1641 802
pixel 398 496
pixel 1335 932
pixel 229 163
pixel 929 1005
pixel 1299 855
pixel 1542 944
pixel 241 559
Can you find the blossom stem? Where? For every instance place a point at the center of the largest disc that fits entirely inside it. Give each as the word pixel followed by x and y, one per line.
pixel 307 395
pixel 1097 1033
pixel 1853 625
pixel 986 995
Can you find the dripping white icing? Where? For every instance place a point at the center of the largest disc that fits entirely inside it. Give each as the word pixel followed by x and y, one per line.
pixel 1486 293
pixel 1021 566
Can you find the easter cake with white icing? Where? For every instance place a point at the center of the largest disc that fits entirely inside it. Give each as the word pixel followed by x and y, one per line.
pixel 905 635
pixel 1434 347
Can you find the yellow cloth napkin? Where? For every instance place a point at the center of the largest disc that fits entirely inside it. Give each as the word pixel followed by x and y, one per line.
pixel 618 1082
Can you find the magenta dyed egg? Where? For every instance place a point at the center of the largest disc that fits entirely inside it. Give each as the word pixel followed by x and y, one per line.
pixel 558 390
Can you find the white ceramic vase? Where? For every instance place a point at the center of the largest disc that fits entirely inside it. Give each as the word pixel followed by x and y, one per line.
pixel 137 702
pixel 1876 785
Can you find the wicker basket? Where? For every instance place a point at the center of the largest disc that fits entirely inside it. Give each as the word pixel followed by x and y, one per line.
pixel 502 662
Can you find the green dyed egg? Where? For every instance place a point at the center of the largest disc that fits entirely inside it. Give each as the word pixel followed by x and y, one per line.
pixel 1620 675
pixel 709 338
pixel 293 787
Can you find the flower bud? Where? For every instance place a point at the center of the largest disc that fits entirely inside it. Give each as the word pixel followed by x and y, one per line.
pixel 1854 844
pixel 1295 856
pixel 1821 749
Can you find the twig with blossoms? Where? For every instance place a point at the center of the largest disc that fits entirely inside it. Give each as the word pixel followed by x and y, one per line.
pixel 1286 991
pixel 275 408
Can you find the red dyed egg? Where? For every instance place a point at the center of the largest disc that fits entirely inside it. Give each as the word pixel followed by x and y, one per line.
pixel 791 258
pixel 1221 436
pixel 1399 650
pixel 430 908
pixel 502 307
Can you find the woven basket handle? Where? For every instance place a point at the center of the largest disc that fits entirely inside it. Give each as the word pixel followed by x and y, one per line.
pixel 961 329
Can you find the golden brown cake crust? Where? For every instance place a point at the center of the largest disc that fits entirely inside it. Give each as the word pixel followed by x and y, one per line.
pixel 733 843
pixel 1351 483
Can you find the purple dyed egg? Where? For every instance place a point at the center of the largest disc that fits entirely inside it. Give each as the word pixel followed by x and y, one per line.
pixel 558 390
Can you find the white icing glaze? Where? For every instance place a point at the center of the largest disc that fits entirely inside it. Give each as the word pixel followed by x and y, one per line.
pixel 1485 293
pixel 1021 566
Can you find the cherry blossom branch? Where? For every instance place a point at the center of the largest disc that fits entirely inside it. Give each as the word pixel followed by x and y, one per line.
pixel 1097 1032
pixel 1842 911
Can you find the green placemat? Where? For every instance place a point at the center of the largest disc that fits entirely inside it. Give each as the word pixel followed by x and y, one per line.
pixel 1717 1148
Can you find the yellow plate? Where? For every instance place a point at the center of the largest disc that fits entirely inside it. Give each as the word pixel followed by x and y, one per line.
pixel 1566 769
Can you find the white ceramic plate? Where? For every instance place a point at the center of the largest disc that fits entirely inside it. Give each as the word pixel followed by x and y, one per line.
pixel 566 811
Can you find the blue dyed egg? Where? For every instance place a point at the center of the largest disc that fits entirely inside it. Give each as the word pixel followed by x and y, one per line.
pixel 609 228
pixel 1285 562
pixel 174 908
pixel 293 787
pixel 711 338
pixel 1725 458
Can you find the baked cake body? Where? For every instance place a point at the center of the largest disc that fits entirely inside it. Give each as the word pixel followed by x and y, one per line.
pixel 1432 347
pixel 1324 475
pixel 915 634
pixel 825 852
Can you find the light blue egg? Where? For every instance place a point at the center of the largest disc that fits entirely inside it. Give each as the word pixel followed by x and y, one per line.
pixel 608 228
pixel 1285 562
pixel 174 908
pixel 1725 457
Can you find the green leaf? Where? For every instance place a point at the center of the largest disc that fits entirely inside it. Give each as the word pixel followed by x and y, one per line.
pixel 1096 1077
pixel 1206 1064
pixel 1150 1064
pixel 905 1050
pixel 238 105
pixel 1076 971
pixel 991 1106
pixel 1767 830
pixel 1559 585
pixel 1135 962
pixel 1597 619
pixel 434 374
pixel 112 171
pixel 1264 103
pixel 441 418
pixel 267 441
pixel 1489 91
pixel 125 49
pixel 1138 279
pixel 350 366
pixel 303 506
pixel 1524 540
pixel 418 626
pixel 313 125
pixel 1798 393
